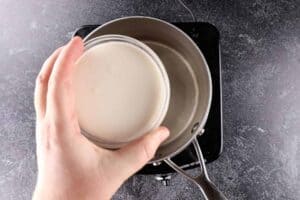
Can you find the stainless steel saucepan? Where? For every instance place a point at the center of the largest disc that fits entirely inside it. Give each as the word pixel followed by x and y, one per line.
pixel 191 88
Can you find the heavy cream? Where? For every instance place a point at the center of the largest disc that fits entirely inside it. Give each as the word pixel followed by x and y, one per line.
pixel 119 91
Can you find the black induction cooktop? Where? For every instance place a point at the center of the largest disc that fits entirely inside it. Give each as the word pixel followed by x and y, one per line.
pixel 207 37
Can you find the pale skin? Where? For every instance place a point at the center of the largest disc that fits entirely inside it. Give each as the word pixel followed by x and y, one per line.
pixel 69 165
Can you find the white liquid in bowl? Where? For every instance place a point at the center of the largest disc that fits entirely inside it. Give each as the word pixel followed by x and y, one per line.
pixel 119 90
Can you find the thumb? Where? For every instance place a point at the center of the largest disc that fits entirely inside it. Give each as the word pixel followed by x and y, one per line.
pixel 135 155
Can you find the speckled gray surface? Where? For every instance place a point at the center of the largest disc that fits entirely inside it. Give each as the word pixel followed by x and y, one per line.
pixel 261 91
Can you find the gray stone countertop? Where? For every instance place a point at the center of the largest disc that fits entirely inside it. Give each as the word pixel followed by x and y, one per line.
pixel 261 91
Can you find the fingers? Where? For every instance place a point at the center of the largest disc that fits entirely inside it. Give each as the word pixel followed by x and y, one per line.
pixel 134 156
pixel 60 84
pixel 41 85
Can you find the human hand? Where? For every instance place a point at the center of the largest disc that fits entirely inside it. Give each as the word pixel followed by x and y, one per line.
pixel 70 166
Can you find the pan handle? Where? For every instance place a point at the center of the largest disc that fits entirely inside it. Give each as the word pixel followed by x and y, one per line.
pixel 208 189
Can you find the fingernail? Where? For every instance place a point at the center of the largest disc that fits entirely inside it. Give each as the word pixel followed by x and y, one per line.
pixel 76 38
pixel 72 39
pixel 75 41
pixel 163 133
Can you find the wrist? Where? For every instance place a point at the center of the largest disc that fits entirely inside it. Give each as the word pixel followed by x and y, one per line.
pixel 48 193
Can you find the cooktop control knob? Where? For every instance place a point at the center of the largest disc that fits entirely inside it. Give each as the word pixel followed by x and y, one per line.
pixel 156 163
pixel 164 179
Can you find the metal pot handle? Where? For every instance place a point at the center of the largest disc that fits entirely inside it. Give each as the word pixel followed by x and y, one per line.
pixel 208 189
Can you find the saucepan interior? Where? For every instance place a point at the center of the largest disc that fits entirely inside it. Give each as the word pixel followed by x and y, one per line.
pixel 190 80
